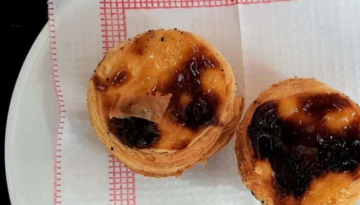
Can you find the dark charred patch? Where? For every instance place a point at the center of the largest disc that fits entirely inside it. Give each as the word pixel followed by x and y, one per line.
pixel 99 83
pixel 298 156
pixel 135 132
pixel 318 106
pixel 120 78
pixel 201 110
pixel 116 79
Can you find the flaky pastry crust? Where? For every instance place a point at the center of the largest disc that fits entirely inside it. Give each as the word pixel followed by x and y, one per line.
pixel 162 51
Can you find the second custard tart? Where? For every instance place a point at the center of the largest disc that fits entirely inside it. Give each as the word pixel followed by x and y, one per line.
pixel 299 144
pixel 164 101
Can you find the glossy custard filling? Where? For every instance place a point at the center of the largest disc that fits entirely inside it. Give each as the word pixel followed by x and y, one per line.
pixel 304 137
pixel 161 89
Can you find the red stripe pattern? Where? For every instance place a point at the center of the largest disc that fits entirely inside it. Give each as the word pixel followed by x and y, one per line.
pixel 62 110
pixel 122 183
pixel 168 4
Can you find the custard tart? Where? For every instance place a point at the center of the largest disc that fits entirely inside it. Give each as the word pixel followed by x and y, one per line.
pixel 299 143
pixel 163 101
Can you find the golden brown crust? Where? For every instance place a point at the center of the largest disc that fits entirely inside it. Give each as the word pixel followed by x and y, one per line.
pixel 154 161
pixel 258 175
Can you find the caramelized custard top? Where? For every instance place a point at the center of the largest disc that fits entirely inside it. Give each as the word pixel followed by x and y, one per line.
pixel 305 137
pixel 172 66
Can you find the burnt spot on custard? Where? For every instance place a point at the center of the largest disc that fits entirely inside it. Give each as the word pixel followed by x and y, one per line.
pixel 135 132
pixel 115 79
pixel 301 151
pixel 201 110
pixel 119 77
pixel 100 85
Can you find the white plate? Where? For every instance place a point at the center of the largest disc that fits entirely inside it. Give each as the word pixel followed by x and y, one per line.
pixel 31 129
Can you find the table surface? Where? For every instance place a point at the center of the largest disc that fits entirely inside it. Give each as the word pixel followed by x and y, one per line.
pixel 23 21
